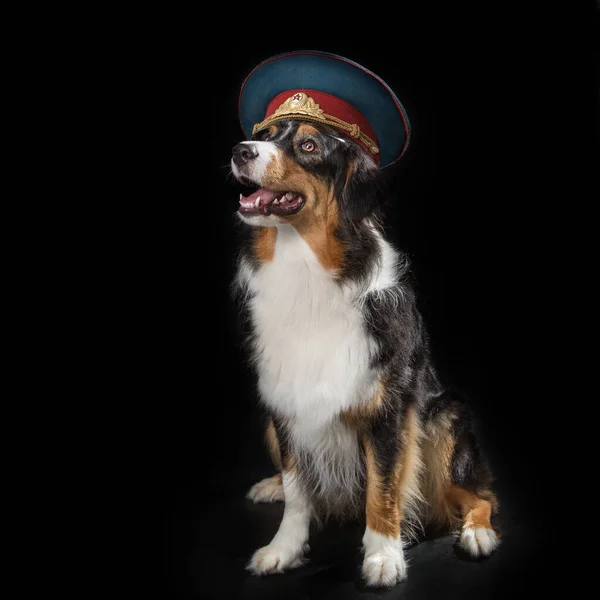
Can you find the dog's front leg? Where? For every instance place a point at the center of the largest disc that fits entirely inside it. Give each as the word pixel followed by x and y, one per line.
pixel 287 548
pixel 391 455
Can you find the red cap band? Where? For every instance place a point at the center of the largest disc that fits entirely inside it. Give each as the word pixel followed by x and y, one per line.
pixel 334 107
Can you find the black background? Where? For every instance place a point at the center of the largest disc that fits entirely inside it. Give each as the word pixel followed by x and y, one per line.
pixel 501 157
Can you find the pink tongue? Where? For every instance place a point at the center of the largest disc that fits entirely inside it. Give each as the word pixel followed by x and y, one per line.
pixel 266 197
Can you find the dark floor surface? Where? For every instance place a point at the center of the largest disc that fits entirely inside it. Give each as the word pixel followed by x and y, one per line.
pixel 213 530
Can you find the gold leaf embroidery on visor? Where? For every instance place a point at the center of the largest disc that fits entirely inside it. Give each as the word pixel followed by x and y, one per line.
pixel 301 106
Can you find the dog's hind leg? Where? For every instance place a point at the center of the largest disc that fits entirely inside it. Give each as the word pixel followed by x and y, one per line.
pixel 271 488
pixel 458 486
pixel 477 537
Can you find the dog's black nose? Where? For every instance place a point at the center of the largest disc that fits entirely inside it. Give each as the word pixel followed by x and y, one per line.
pixel 243 153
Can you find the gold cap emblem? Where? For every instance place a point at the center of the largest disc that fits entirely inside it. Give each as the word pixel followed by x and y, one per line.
pixel 300 104
pixel 298 100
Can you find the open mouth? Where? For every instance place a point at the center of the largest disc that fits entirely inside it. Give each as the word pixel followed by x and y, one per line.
pixel 267 202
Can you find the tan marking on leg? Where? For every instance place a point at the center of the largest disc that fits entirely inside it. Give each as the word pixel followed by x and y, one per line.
pixel 382 507
pixel 409 468
pixel 388 504
pixel 289 463
pixel 491 498
pixel 438 449
pixel 475 511
pixel 273 445
pixel 447 504
pixel 477 537
pixel 285 461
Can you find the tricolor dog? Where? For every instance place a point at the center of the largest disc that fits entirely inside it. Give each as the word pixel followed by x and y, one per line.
pixel 360 425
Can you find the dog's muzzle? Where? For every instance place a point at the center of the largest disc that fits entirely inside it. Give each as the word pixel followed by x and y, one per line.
pixel 250 161
pixel 244 153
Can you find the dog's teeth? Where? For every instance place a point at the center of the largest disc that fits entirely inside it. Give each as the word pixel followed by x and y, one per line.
pixel 241 197
pixel 289 195
pixel 257 202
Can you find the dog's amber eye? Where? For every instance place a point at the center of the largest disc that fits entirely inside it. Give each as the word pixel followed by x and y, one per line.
pixel 308 146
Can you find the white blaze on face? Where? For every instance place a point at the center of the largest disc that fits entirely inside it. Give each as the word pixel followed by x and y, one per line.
pixel 255 168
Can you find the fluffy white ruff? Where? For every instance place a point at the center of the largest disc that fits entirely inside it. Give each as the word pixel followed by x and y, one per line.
pixel 310 348
pixel 286 550
pixel 384 564
pixel 267 490
pixel 478 541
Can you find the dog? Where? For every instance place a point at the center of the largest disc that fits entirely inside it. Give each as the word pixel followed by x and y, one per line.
pixel 359 425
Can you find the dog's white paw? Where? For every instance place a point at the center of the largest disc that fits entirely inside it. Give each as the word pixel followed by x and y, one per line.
pixel 384 569
pixel 479 541
pixel 275 559
pixel 267 490
pixel 384 564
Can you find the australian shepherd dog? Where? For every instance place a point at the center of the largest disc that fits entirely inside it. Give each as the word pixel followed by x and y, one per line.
pixel 359 424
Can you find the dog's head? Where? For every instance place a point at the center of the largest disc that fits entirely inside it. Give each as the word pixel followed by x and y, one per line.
pixel 305 173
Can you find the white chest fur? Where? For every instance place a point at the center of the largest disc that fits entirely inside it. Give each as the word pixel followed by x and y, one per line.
pixel 312 353
pixel 312 350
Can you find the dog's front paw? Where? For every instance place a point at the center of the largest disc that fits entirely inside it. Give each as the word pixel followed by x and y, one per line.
pixel 267 490
pixel 275 559
pixel 384 569
pixel 478 541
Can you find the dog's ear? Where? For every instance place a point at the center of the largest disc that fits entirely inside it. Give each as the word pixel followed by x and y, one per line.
pixel 360 190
